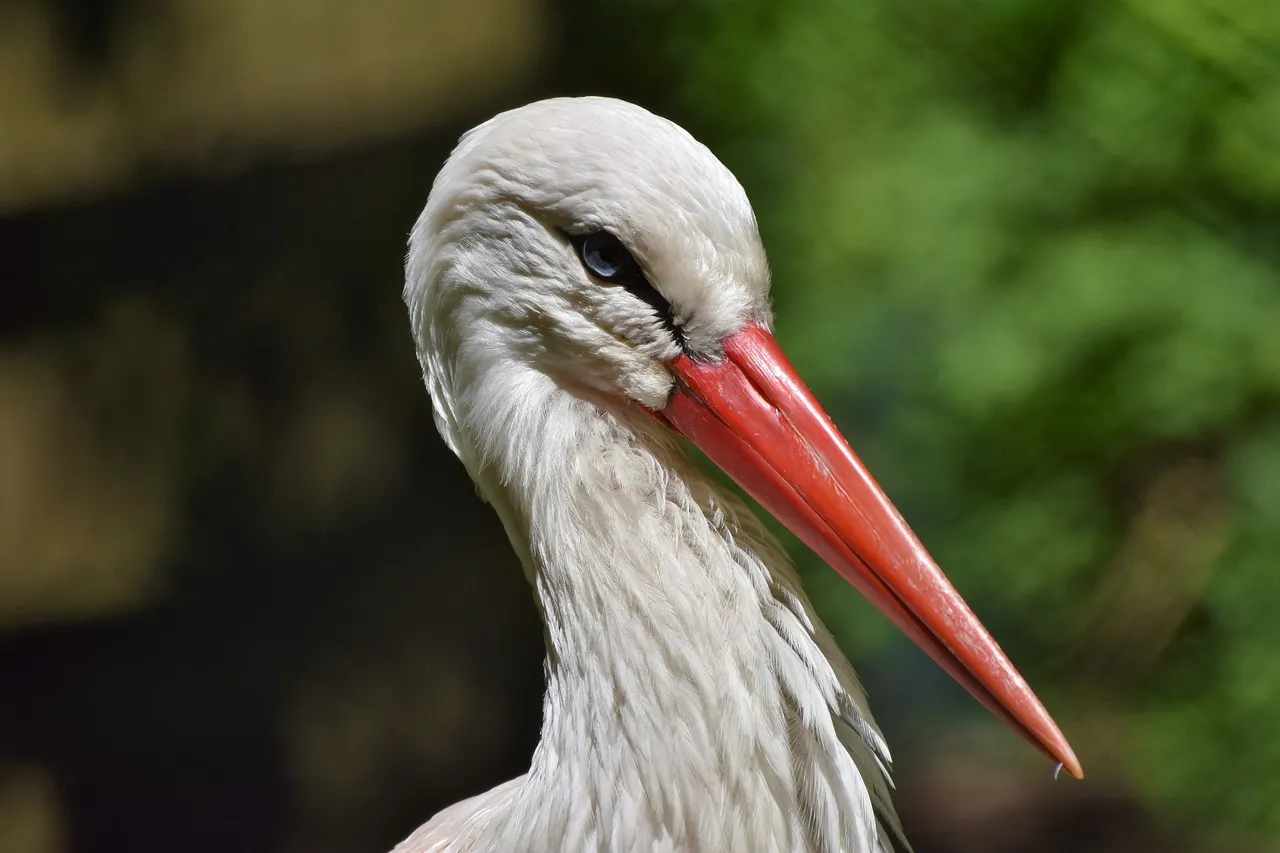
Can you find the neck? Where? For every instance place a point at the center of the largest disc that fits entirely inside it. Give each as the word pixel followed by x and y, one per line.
pixel 692 693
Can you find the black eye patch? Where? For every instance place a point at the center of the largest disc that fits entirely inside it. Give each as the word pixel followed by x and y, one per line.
pixel 605 258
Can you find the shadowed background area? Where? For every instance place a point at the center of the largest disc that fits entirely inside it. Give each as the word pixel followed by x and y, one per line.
pixel 1026 251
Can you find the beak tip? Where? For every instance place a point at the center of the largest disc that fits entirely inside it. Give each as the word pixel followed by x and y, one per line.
pixel 1066 760
pixel 1043 733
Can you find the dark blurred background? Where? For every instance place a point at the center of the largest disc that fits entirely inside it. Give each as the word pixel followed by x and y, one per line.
pixel 1028 251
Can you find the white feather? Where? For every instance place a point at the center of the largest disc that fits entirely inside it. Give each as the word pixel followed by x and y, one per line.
pixel 695 702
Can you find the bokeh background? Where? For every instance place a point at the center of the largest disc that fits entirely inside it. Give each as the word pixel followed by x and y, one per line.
pixel 1028 252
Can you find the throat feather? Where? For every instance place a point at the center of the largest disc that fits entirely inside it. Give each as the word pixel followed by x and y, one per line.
pixel 693 694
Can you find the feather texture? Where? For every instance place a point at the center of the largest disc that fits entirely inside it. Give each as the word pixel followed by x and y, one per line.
pixel 695 701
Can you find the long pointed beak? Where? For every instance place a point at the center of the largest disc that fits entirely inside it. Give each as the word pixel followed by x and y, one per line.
pixel 754 417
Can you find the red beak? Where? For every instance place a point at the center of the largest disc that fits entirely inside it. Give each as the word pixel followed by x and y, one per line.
pixel 754 417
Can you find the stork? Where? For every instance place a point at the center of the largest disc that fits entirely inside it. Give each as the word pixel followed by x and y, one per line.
pixel 587 289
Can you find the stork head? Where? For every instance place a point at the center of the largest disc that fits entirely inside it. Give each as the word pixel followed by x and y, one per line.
pixel 598 245
pixel 600 240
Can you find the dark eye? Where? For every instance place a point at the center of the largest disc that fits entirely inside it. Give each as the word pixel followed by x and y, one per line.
pixel 605 257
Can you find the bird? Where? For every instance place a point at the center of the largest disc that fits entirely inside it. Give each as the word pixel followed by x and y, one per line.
pixel 590 299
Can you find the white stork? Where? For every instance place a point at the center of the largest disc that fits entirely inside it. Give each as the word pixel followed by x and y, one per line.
pixel 586 285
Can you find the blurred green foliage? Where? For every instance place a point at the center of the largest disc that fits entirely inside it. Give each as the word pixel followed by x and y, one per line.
pixel 1029 252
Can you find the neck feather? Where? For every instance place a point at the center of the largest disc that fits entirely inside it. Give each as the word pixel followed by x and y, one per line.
pixel 693 696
